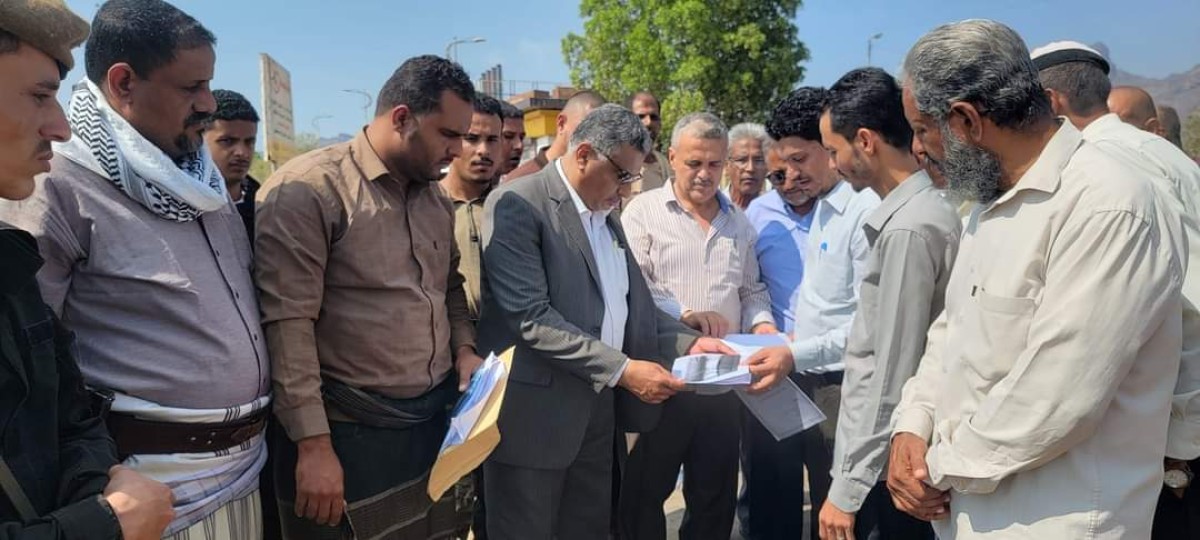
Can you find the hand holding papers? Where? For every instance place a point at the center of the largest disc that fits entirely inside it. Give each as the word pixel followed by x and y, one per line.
pixel 782 408
pixel 473 433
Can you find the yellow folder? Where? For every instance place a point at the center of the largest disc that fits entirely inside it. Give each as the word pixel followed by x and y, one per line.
pixel 458 461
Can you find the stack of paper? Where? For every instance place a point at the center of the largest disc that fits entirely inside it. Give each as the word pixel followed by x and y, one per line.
pixel 706 370
pixel 783 409
pixel 473 433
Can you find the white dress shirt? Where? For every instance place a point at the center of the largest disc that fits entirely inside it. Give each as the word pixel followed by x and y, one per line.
pixel 1179 178
pixel 1046 385
pixel 835 262
pixel 614 274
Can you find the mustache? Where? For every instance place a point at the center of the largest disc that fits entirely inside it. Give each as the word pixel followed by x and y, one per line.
pixel 483 161
pixel 44 147
pixel 198 119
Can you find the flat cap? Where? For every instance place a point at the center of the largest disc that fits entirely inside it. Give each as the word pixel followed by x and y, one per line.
pixel 1061 52
pixel 47 25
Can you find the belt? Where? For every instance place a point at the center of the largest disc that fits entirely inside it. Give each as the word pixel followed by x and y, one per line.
pixel 134 435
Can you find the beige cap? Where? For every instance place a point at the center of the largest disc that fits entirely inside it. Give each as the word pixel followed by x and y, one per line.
pixel 47 25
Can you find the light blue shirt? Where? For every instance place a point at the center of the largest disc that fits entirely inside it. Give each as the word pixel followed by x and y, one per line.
pixel 835 263
pixel 782 240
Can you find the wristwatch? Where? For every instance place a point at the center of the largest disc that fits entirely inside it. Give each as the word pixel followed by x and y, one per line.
pixel 1178 478
pixel 112 514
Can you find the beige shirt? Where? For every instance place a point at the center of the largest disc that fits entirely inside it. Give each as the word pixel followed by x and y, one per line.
pixel 468 235
pixel 1046 385
pixel 358 273
pixel 164 311
pixel 1179 178
pixel 654 175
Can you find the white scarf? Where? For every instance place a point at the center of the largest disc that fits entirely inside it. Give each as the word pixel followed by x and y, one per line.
pixel 108 145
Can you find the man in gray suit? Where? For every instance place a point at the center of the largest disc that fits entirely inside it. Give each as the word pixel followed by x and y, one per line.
pixel 564 291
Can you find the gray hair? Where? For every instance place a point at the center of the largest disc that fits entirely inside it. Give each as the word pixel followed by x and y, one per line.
pixel 702 125
pixel 981 62
pixel 608 127
pixel 749 130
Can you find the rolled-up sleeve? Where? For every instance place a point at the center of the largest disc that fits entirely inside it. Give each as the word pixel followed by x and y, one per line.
pixel 293 231
pixel 1109 285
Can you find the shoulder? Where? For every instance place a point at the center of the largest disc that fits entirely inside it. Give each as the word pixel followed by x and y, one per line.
pixel 929 214
pixel 321 172
pixel 1095 180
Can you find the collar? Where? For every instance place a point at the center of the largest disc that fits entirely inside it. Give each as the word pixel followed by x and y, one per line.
pixel 368 161
pixel 1101 124
pixel 458 200
pixel 1046 173
pixel 19 258
pixel 580 206
pixel 916 183
pixel 671 198
pixel 839 197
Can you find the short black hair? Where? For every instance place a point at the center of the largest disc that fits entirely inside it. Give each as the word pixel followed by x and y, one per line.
pixel 485 104
pixel 1084 84
pixel 419 83
pixel 145 34
pixel 233 106
pixel 8 42
pixel 798 115
pixel 508 111
pixel 869 98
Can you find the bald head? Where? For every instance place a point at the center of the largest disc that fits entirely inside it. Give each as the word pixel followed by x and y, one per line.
pixel 583 102
pixel 577 107
pixel 1169 126
pixel 1134 106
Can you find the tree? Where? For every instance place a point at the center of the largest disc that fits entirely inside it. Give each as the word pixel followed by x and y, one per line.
pixel 735 58
pixel 1191 134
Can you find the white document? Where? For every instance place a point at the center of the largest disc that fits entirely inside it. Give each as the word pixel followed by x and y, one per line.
pixel 748 344
pixel 711 370
pixel 784 410
pixel 470 405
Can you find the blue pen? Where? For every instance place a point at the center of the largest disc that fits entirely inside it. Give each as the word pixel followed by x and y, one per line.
pixel 824 246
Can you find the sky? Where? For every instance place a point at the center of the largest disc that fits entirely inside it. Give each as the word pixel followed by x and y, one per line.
pixel 329 47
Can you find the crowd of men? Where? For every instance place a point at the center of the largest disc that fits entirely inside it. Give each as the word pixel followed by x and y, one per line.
pixel 981 268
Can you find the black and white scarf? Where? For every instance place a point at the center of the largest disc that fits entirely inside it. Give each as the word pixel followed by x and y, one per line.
pixel 107 144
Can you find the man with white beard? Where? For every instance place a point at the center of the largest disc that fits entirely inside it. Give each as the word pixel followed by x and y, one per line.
pixel 1041 406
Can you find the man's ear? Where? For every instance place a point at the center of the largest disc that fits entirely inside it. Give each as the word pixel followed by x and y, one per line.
pixel 119 82
pixel 402 119
pixel 966 122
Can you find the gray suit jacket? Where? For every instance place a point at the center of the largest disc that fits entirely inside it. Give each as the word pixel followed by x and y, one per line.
pixel 542 296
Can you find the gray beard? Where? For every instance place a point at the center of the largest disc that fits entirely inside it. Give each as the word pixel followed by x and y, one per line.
pixel 972 173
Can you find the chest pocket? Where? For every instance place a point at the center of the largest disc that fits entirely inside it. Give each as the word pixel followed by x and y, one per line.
pixel 1001 325
pixel 833 276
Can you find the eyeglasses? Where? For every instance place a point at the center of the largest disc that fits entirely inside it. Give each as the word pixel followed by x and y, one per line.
pixel 777 178
pixel 756 162
pixel 652 116
pixel 623 176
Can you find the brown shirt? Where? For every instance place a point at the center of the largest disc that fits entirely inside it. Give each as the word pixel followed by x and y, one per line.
pixel 358 274
pixel 655 174
pixel 536 164
pixel 468 235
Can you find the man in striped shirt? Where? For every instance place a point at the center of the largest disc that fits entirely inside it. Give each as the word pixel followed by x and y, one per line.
pixel 696 250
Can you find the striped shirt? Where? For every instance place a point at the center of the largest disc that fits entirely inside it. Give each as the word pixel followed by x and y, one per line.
pixel 691 269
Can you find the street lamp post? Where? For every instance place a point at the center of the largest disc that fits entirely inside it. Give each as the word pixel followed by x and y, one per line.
pixel 452 47
pixel 366 104
pixel 316 123
pixel 870 42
